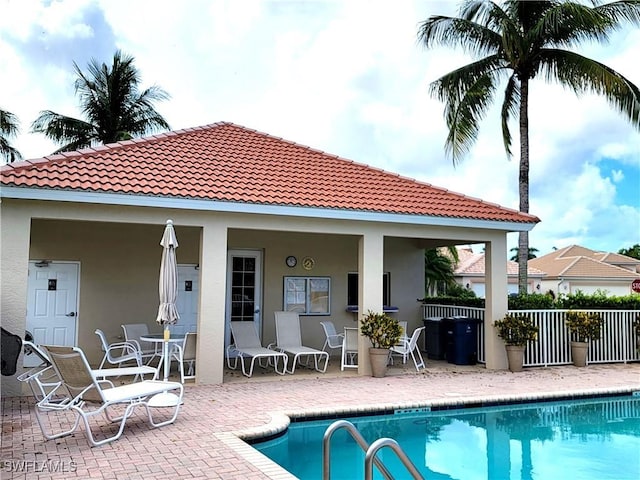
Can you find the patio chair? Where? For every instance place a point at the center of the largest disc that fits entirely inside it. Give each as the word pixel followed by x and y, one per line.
pixel 409 347
pixel 349 348
pixel 118 353
pixel 132 334
pixel 333 338
pixel 185 353
pixel 289 340
pixel 86 396
pixel 246 343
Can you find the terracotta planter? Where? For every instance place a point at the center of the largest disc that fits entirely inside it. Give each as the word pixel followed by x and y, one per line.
pixel 515 357
pixel 579 353
pixel 379 358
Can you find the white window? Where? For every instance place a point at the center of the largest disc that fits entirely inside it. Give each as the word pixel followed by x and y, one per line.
pixel 307 295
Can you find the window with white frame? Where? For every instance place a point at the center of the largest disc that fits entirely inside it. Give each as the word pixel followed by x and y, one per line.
pixel 307 295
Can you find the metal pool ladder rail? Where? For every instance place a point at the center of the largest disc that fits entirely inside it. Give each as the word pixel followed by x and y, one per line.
pixel 370 452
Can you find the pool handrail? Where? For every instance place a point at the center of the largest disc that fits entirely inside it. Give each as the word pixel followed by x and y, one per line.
pixel 372 451
pixel 359 439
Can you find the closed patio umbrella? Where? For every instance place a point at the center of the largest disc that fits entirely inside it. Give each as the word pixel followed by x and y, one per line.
pixel 168 284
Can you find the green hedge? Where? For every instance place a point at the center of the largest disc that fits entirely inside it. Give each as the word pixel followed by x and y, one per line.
pixel 536 301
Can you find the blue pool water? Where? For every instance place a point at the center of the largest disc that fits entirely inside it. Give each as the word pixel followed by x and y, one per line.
pixel 586 439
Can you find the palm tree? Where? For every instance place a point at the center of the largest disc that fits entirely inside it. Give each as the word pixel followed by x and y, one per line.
pixel 8 129
pixel 438 270
pixel 517 41
pixel 112 104
pixel 530 256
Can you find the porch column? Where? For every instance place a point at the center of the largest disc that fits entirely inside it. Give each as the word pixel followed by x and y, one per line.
pixel 370 263
pixel 211 309
pixel 495 301
pixel 14 268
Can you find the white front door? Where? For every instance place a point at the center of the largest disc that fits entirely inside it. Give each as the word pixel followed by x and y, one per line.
pixel 52 305
pixel 244 289
pixel 187 300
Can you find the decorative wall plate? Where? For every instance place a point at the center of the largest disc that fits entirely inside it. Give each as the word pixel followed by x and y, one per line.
pixel 308 263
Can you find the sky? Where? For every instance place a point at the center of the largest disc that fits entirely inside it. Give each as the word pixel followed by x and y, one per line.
pixel 346 77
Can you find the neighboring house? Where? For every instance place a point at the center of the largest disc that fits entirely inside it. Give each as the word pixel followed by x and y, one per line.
pixel 469 272
pixel 263 224
pixel 575 268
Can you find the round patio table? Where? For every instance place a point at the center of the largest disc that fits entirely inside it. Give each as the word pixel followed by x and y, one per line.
pixel 165 399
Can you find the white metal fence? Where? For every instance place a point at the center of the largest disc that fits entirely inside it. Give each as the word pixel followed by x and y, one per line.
pixel 616 345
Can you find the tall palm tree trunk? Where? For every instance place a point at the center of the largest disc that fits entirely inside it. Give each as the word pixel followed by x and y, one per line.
pixel 523 237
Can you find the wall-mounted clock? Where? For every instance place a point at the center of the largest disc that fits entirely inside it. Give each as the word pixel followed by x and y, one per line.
pixel 291 261
pixel 308 263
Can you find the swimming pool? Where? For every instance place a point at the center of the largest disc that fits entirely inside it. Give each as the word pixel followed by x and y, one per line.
pixel 586 439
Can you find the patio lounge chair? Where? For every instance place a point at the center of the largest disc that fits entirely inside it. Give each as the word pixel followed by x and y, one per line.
pixel 349 348
pixel 82 390
pixel 333 339
pixel 289 340
pixel 132 334
pixel 246 343
pixel 409 347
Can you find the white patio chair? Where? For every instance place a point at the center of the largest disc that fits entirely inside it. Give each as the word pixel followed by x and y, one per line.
pixel 118 353
pixel 410 347
pixel 333 339
pixel 185 353
pixel 246 343
pixel 84 391
pixel 289 340
pixel 132 334
pixel 349 348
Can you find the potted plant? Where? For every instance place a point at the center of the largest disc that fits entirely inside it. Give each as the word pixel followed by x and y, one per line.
pixel 516 331
pixel 583 327
pixel 383 332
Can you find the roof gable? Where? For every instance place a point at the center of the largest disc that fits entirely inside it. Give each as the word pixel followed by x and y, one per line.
pixel 580 262
pixel 230 163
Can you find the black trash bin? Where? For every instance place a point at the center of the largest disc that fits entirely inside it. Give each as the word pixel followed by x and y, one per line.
pixel 435 339
pixel 461 340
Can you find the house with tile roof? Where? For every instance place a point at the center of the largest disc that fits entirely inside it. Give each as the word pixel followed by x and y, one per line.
pixel 263 224
pixel 575 268
pixel 469 272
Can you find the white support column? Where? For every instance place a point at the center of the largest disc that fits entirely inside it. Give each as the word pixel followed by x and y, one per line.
pixel 495 301
pixel 370 267
pixel 211 311
pixel 14 270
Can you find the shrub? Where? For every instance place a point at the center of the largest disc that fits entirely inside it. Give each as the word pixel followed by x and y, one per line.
pixel 382 330
pixel 516 329
pixel 584 326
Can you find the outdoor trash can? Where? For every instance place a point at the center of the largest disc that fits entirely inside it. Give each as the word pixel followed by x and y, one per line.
pixel 462 340
pixel 435 339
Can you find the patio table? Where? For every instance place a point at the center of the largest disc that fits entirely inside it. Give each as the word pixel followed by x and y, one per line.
pixel 165 399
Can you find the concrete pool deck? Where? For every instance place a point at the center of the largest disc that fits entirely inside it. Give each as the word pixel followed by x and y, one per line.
pixel 204 444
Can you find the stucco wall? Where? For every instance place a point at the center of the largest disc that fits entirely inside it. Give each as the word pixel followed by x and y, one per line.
pixel 119 266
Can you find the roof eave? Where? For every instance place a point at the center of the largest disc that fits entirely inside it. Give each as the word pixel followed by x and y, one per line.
pixel 262 209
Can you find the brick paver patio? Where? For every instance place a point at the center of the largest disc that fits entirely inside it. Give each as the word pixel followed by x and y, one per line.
pixel 203 443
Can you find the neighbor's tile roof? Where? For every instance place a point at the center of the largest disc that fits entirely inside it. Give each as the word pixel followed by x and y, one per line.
pixel 230 163
pixel 580 262
pixel 473 264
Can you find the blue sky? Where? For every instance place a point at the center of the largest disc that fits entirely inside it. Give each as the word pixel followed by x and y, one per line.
pixel 348 78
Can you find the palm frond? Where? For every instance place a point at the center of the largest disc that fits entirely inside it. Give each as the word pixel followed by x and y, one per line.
pixel 583 74
pixel 456 32
pixel 63 129
pixel 467 93
pixel 510 109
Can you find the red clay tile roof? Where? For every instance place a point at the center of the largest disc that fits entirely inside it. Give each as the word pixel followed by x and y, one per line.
pixel 230 163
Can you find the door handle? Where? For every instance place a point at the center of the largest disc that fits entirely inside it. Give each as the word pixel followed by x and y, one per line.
pixel 70 314
pixel 257 310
